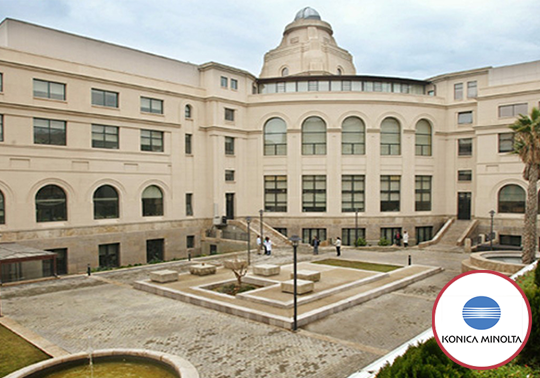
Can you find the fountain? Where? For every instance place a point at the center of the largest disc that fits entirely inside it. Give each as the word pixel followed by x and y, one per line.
pixel 505 262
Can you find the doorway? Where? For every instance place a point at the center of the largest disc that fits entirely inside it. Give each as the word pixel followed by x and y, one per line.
pixel 464 205
pixel 229 206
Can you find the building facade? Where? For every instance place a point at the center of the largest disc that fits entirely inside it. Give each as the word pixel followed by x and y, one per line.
pixel 111 156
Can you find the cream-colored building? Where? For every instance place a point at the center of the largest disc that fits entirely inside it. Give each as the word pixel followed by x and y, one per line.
pixel 113 156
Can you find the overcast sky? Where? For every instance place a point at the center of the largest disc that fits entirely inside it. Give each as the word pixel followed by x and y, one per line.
pixel 404 38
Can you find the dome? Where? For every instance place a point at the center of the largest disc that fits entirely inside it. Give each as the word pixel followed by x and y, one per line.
pixel 307 13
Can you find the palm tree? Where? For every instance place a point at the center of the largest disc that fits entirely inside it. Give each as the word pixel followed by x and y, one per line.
pixel 527 146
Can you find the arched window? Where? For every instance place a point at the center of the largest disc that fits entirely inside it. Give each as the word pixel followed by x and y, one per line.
pixel 353 136
pixel 275 137
pixel 512 199
pixel 423 138
pixel 106 203
pixel 2 209
pixel 152 201
pixel 51 204
pixel 314 136
pixel 390 137
pixel 285 71
pixel 339 71
pixel 188 111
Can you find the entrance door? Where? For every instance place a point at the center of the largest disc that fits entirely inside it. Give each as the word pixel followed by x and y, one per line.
pixel 229 207
pixel 464 205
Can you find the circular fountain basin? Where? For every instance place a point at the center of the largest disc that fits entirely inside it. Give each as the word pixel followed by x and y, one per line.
pixel 111 363
pixel 506 262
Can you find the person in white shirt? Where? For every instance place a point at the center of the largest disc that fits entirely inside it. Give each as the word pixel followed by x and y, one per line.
pixel 338 246
pixel 259 246
pixel 268 246
pixel 405 239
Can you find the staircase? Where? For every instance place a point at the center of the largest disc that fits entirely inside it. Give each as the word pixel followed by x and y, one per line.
pixel 277 238
pixel 451 236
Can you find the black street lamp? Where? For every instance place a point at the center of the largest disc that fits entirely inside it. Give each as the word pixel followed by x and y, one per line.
pixel 492 213
pixel 261 221
pixel 295 240
pixel 248 220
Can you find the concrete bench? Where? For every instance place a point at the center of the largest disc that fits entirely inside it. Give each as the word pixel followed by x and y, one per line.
pixel 266 270
pixel 163 276
pixel 202 270
pixel 302 286
pixel 308 275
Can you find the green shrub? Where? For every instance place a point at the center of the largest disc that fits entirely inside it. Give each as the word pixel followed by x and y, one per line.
pixel 537 275
pixel 530 355
pixel 384 242
pixel 361 242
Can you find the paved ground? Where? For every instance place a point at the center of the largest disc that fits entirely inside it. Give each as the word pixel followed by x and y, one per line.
pixel 105 312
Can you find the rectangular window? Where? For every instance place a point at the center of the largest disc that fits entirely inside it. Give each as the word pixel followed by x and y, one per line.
pixel 224 82
pixel 513 240
pixel 458 91
pixel 352 193
pixel 465 118
pixel 506 142
pixel 151 140
pixel 313 86
pixel 49 131
pixel 229 175
pixel 229 114
pixel 389 233
pixel 1 127
pixel 465 147
pixel 472 89
pixel 151 105
pixel 390 193
pixel 281 230
pixel 275 193
pixel 109 255
pixel 424 234
pixel 309 233
pixel 189 204
pixel 190 241
pixel 348 235
pixel 105 137
pixel 423 193
pixel 507 111
pixel 313 193
pixel 189 146
pixel 229 146
pixel 61 260
pixel 49 89
pixel 104 98
pixel 155 250
pixel 1 82
pixel 234 84
pixel 465 175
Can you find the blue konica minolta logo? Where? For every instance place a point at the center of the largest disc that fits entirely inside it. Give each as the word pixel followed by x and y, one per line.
pixel 481 313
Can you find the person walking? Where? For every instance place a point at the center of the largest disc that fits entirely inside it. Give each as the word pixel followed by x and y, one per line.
pixel 315 243
pixel 397 239
pixel 405 239
pixel 259 245
pixel 268 246
pixel 338 246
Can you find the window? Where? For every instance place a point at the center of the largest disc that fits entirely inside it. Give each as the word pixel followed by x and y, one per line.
pixel 507 111
pixel 309 233
pixel 155 250
pixel 390 232
pixel 189 146
pixel 1 127
pixel 313 193
pixel 353 136
pixel 472 89
pixel 352 193
pixel 314 136
pixel 49 89
pixel 152 140
pixel 105 137
pixel 506 142
pixel 229 146
pixel 281 230
pixel 2 209
pixel 152 201
pixel 61 260
pixel 465 147
pixel 109 255
pixel 190 241
pixel 187 112
pixel 465 118
pixel 423 193
pixel 285 72
pixel 513 240
pixel 234 84
pixel 348 235
pixel 229 175
pixel 424 234
pixel 104 98
pixel 275 137
pixel 390 137
pixel 1 82
pixel 423 140
pixel 390 193
pixel 51 204
pixel 465 175
pixel 458 91
pixel 106 203
pixel 224 82
pixel 49 131
pixel 189 204
pixel 512 199
pixel 229 114
pixel 151 105
pixel 275 193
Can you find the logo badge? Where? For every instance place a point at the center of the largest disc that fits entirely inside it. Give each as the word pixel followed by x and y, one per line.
pixel 481 319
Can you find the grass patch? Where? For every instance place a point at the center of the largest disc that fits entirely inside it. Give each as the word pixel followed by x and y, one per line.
pixel 233 289
pixel 16 352
pixel 358 265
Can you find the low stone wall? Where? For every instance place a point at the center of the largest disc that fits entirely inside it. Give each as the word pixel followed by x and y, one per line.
pixel 482 261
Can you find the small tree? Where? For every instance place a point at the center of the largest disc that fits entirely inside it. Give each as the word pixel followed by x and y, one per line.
pixel 239 268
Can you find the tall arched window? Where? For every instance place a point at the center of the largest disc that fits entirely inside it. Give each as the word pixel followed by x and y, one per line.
pixel 390 137
pixel 512 199
pixel 188 112
pixel 152 201
pixel 314 136
pixel 275 137
pixel 51 204
pixel 423 138
pixel 353 136
pixel 106 203
pixel 285 72
pixel 2 209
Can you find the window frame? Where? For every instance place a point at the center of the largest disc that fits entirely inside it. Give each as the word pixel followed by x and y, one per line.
pixel 153 135
pixel 472 89
pixel 50 137
pixel 188 146
pixel 275 194
pixel 356 192
pixel 314 198
pixel 504 139
pixel 189 204
pixel 423 193
pixel 515 110
pixel 224 82
pixel 110 204
pixel 508 206
pixel 152 107
pixel 389 193
pixel 312 232
pixel 229 114
pixel 153 206
pixel 465 146
pixel 458 91
pixel 102 142
pixel 272 148
pixel 106 97
pixel 465 175
pixel 358 145
pixel 188 111
pixel 234 84
pixel 423 148
pixel 388 146
pixel 43 207
pixel 229 175
pixel 48 94
pixel 465 118
pixel 229 146
pixel 110 258
pixel 318 132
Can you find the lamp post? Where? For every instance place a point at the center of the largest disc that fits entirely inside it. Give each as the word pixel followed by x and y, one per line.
pixel 492 213
pixel 261 222
pixel 355 226
pixel 295 240
pixel 248 220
